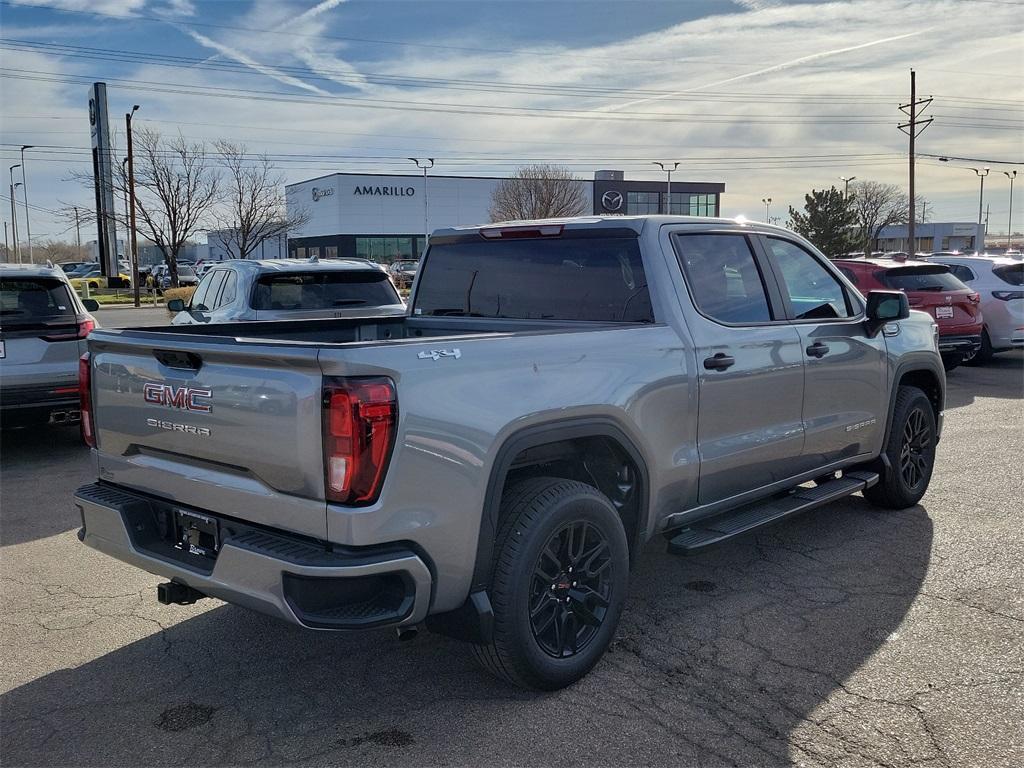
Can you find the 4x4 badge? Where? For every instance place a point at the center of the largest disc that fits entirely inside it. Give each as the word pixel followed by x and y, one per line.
pixel 437 354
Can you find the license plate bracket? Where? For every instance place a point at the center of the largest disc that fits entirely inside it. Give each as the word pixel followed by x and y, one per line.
pixel 943 312
pixel 196 534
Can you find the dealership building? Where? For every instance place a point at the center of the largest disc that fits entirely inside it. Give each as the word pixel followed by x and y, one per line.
pixel 384 217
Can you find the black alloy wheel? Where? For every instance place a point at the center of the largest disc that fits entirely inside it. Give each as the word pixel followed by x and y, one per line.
pixel 917 440
pixel 571 588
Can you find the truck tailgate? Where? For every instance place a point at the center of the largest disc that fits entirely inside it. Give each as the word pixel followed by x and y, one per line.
pixel 212 423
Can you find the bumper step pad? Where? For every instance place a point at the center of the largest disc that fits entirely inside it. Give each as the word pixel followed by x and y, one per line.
pixel 750 517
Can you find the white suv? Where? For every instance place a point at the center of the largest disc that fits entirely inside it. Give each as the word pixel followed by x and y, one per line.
pixel 1000 282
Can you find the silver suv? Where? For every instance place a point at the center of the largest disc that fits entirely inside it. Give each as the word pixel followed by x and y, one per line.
pixel 289 289
pixel 43 326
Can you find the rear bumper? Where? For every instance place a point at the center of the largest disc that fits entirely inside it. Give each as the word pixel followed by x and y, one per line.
pixel 25 406
pixel 961 344
pixel 298 580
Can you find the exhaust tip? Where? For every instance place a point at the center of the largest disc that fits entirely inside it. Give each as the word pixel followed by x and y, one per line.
pixel 405 634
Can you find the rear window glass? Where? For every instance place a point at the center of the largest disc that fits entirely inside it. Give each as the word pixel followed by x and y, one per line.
pixel 922 279
pixel 324 290
pixel 25 299
pixel 1011 273
pixel 564 278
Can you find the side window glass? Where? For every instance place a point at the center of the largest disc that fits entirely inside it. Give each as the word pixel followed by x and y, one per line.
pixel 962 272
pixel 227 293
pixel 814 293
pixel 199 297
pixel 723 278
pixel 849 274
pixel 213 282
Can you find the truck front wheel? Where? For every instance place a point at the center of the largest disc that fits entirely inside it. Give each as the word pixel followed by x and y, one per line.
pixel 910 450
pixel 559 582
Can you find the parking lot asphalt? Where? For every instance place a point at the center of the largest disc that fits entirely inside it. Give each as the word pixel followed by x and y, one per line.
pixel 844 637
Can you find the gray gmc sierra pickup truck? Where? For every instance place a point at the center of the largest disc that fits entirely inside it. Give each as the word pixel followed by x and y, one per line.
pixel 491 463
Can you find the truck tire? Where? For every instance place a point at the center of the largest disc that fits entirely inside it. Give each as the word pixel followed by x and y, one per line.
pixel 910 450
pixel 559 582
pixel 951 360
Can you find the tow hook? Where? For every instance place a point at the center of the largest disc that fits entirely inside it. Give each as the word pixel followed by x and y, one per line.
pixel 407 633
pixel 173 593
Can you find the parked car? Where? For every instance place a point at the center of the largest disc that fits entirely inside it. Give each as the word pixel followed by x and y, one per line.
pixel 159 276
pixel 71 266
pixel 492 463
pixel 403 272
pixel 1000 283
pixel 96 280
pixel 289 289
pixel 43 326
pixel 931 288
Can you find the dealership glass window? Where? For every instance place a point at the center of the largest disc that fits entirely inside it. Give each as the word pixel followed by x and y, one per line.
pixel 702 205
pixel 300 253
pixel 384 249
pixel 640 203
pixel 331 252
pixel 314 251
pixel 679 203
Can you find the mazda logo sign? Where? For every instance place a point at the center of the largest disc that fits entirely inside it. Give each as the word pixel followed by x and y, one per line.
pixel 320 194
pixel 611 200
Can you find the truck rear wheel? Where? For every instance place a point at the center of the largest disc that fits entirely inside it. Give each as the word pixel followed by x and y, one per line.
pixel 910 450
pixel 559 582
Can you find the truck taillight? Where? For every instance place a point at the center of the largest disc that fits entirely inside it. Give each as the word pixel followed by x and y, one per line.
pixel 85 400
pixel 359 423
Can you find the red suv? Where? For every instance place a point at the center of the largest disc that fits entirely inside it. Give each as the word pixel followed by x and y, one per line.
pixel 931 288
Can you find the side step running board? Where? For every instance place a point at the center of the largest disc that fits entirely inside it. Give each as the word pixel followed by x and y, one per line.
pixel 713 530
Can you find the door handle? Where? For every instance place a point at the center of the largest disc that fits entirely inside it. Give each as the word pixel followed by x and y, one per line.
pixel 818 349
pixel 719 362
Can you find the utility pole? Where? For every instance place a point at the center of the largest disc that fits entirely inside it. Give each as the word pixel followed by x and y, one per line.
pixel 1011 175
pixel 7 248
pixel 913 128
pixel 14 212
pixel 425 164
pixel 846 185
pixel 982 173
pixel 767 203
pixel 78 233
pixel 131 216
pixel 668 188
pixel 24 191
pixel 988 210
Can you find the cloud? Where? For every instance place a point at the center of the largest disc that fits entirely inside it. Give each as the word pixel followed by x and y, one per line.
pixel 109 7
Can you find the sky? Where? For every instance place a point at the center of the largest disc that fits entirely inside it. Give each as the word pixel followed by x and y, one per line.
pixel 772 97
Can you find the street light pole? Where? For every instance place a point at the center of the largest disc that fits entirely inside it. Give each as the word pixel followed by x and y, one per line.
pixel 668 188
pixel 425 164
pixel 982 173
pixel 767 202
pixel 131 216
pixel 846 185
pixel 24 191
pixel 14 211
pixel 1011 175
pixel 78 233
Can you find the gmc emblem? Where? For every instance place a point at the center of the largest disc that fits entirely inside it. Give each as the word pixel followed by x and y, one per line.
pixel 186 398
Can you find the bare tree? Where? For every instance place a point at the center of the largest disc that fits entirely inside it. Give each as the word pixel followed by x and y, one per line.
pixel 539 192
pixel 176 186
pixel 253 208
pixel 875 206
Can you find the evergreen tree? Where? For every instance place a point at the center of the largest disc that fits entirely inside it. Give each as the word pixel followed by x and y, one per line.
pixel 828 221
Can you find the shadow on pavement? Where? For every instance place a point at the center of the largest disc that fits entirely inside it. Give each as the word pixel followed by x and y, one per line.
pixel 1002 376
pixel 721 659
pixel 41 467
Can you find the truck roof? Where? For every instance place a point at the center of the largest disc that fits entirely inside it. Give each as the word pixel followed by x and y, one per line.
pixel 636 223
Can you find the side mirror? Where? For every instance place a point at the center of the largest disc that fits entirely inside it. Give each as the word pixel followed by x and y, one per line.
pixel 176 305
pixel 886 307
pixel 91 305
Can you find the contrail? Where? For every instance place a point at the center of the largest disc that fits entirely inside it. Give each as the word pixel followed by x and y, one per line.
pixel 240 57
pixel 765 71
